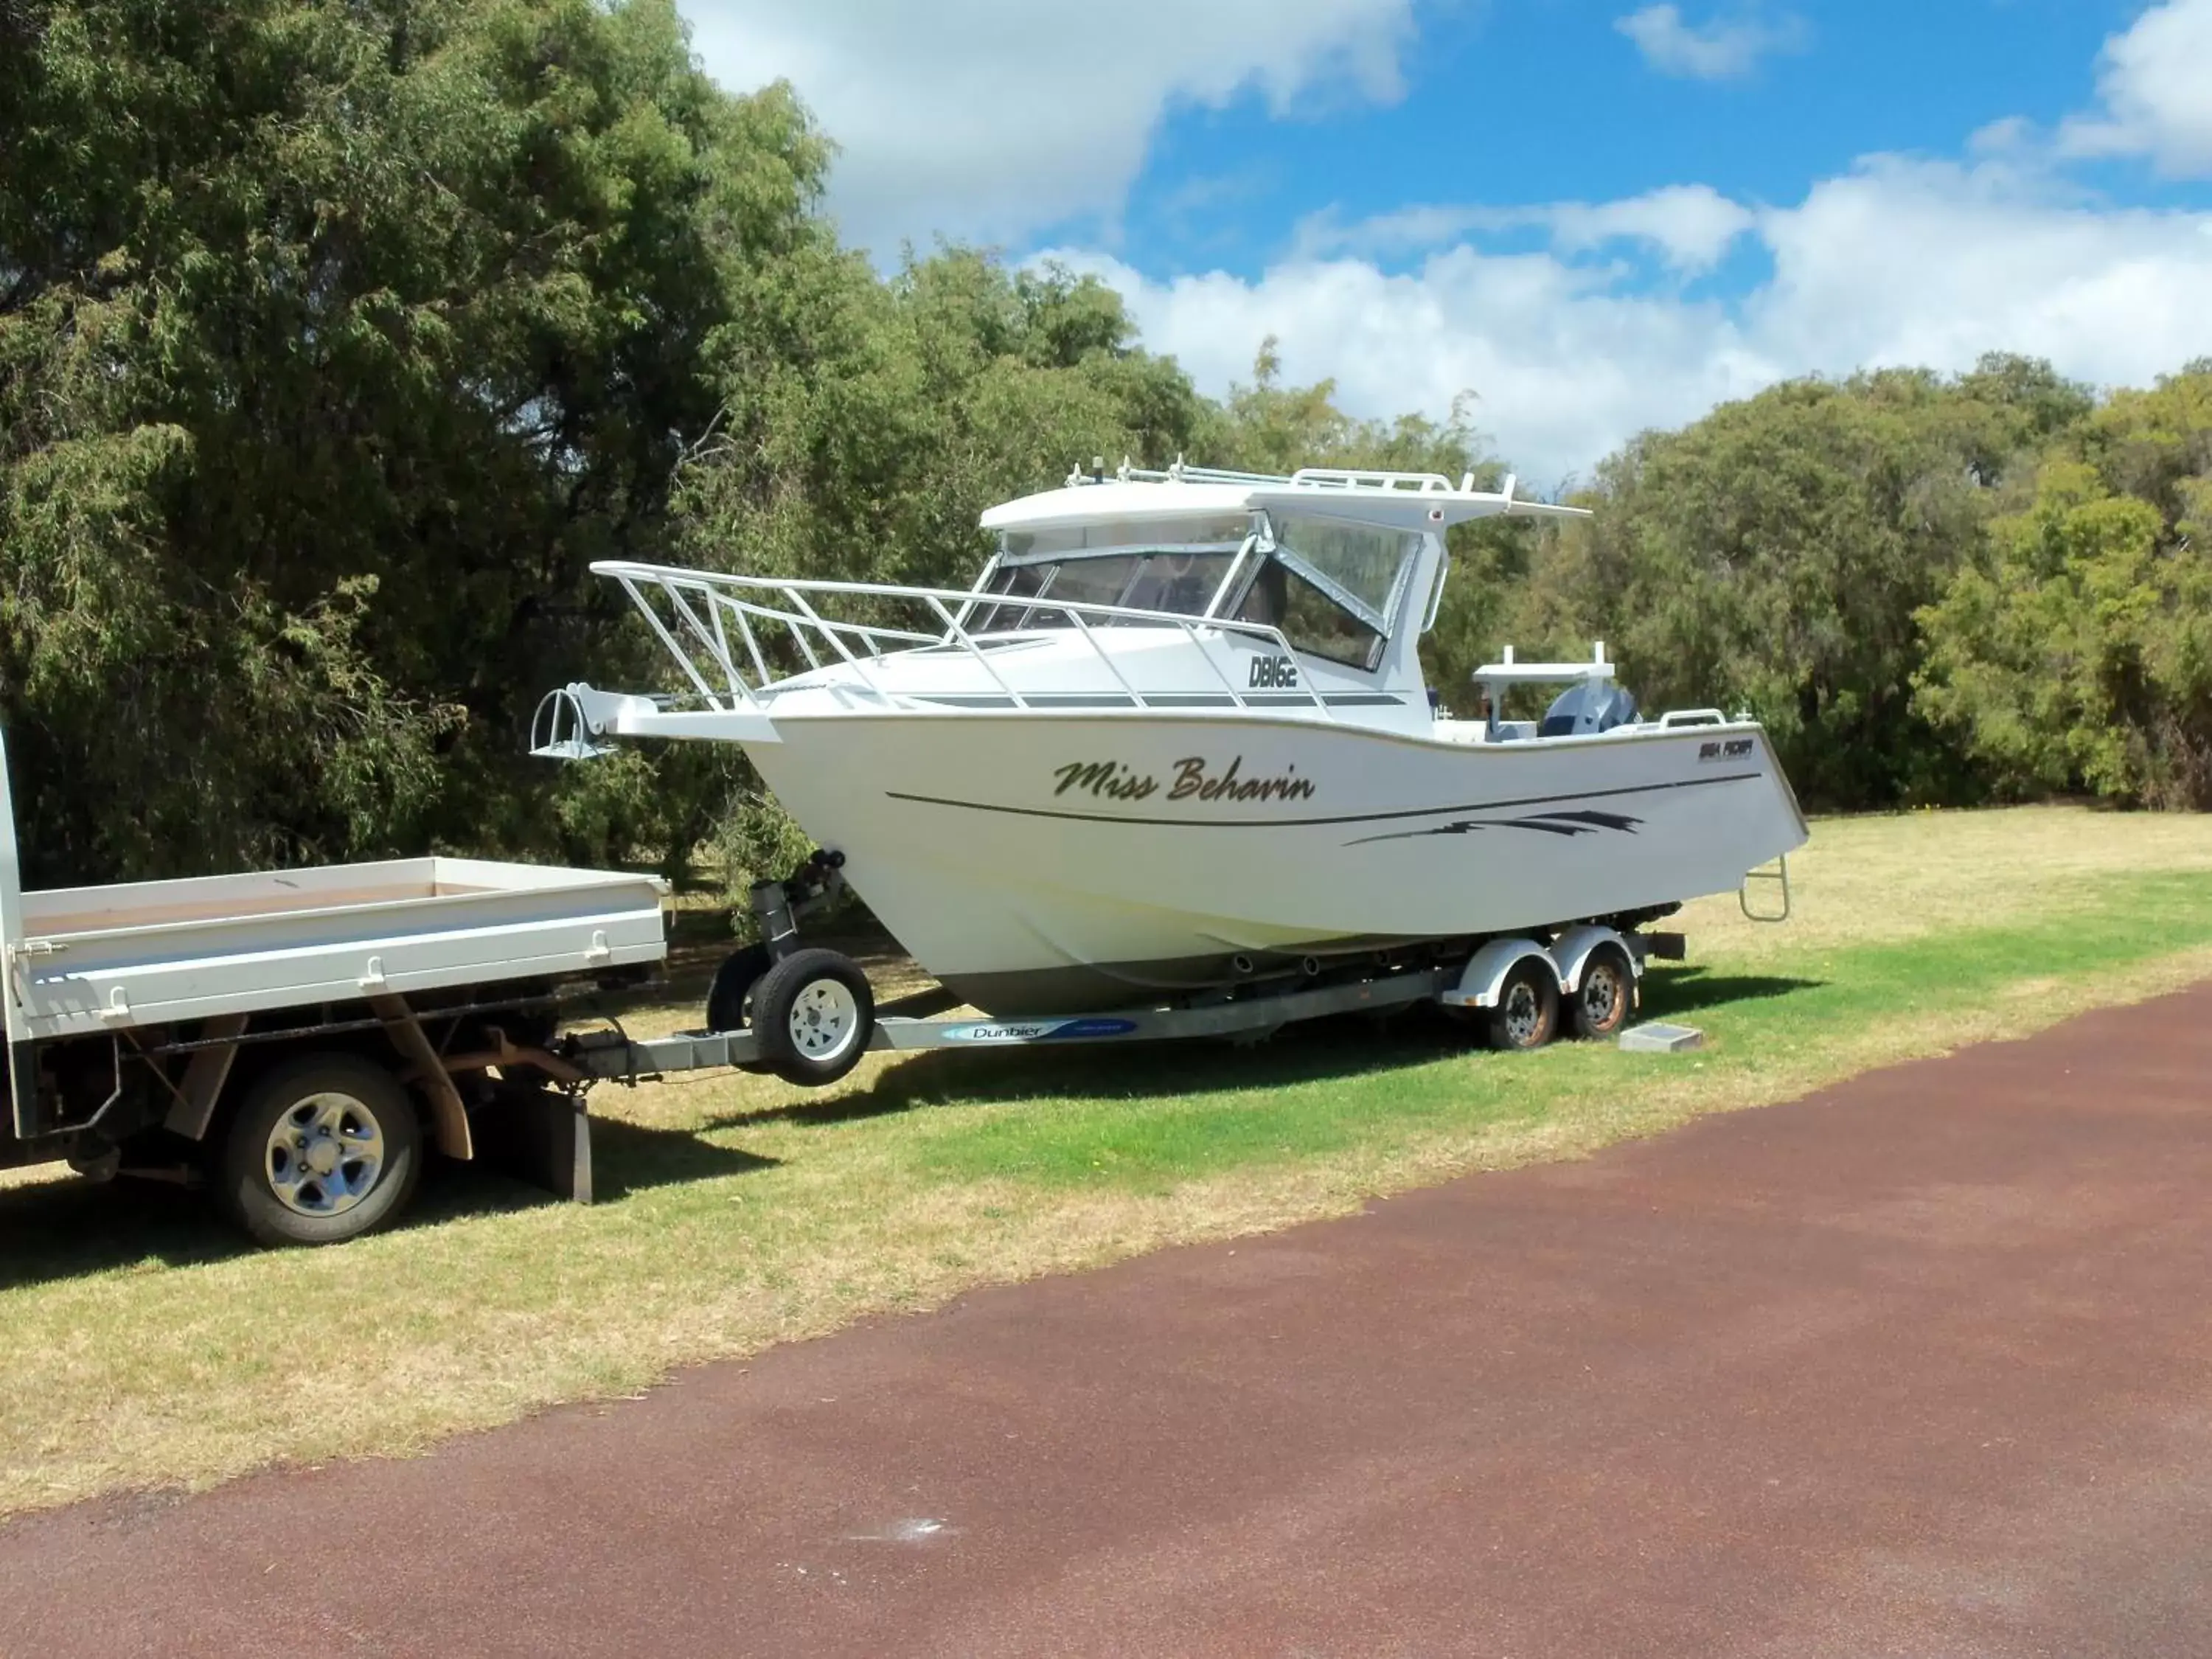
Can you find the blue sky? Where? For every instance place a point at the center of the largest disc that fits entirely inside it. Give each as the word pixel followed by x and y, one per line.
pixel 1547 102
pixel 1593 216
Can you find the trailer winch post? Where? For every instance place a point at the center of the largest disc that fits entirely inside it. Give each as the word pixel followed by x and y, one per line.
pixel 778 905
pixel 771 907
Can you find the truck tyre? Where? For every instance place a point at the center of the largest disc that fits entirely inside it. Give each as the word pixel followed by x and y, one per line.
pixel 1605 996
pixel 1528 1009
pixel 813 1013
pixel 735 982
pixel 324 1148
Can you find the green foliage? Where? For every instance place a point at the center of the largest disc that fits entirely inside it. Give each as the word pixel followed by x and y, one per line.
pixel 757 841
pixel 915 404
pixel 1773 557
pixel 335 342
pixel 2082 654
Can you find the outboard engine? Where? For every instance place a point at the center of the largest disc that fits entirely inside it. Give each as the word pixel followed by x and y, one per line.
pixel 1592 705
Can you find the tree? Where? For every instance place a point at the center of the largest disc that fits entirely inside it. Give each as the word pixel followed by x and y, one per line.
pixel 335 342
pixel 1773 557
pixel 2155 445
pixel 2081 656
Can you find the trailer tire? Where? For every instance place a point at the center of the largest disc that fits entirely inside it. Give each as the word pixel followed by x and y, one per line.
pixel 1527 1013
pixel 1606 995
pixel 813 1013
pixel 735 982
pixel 356 1152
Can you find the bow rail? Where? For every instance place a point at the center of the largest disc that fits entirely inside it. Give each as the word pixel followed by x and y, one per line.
pixel 725 632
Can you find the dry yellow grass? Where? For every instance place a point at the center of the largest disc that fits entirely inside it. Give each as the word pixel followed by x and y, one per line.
pixel 1897 877
pixel 143 1351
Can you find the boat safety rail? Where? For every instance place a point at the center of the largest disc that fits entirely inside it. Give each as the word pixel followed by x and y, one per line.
pixel 734 637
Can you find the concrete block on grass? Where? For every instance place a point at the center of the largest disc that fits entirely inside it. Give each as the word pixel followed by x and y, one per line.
pixel 1658 1038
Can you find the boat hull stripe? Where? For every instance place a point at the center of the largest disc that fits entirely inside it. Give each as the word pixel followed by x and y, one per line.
pixel 1349 818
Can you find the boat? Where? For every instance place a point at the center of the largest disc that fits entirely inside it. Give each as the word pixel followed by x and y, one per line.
pixel 1177 736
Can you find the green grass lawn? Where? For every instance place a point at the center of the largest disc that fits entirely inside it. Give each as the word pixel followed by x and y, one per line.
pixel 1196 1116
pixel 146 1347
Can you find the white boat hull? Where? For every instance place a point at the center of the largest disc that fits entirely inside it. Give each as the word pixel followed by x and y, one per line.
pixel 1038 863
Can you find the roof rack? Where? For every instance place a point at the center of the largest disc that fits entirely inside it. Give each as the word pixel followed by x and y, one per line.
pixel 1361 480
pixel 1180 473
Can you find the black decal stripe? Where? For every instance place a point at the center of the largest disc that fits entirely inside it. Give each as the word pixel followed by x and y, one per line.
pixel 1597 820
pixel 1550 823
pixel 1347 817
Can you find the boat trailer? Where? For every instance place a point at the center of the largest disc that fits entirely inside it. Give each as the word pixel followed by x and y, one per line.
pixel 807 1013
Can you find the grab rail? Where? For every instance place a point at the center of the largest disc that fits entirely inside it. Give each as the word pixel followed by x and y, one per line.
pixel 706 607
pixel 1780 873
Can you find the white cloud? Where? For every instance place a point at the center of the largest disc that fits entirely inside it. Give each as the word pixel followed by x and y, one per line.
pixel 2010 134
pixel 1899 262
pixel 1691 225
pixel 987 118
pixel 1719 50
pixel 1919 262
pixel 1565 363
pixel 2155 83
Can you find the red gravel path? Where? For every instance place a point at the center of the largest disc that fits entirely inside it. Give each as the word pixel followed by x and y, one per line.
pixel 1920 1365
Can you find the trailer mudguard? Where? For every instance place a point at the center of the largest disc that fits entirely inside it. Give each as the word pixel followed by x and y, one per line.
pixel 1483 976
pixel 1570 952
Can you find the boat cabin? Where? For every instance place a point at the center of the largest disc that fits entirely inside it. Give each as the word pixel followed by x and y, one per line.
pixel 1186 589
pixel 1348 566
pixel 1333 588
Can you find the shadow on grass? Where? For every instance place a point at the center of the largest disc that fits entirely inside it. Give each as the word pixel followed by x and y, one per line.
pixel 631 1157
pixel 73 1229
pixel 1342 1047
pixel 1671 991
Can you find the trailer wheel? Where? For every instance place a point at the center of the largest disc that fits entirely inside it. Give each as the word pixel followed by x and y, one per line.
pixel 813 1013
pixel 735 982
pixel 1606 995
pixel 1528 1009
pixel 325 1148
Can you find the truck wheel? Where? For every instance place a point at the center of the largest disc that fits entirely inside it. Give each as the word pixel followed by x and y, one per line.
pixel 1528 1009
pixel 735 981
pixel 325 1148
pixel 1606 995
pixel 813 1013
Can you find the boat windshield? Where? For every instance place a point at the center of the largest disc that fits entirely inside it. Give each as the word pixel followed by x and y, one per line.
pixel 1331 587
pixel 1176 567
